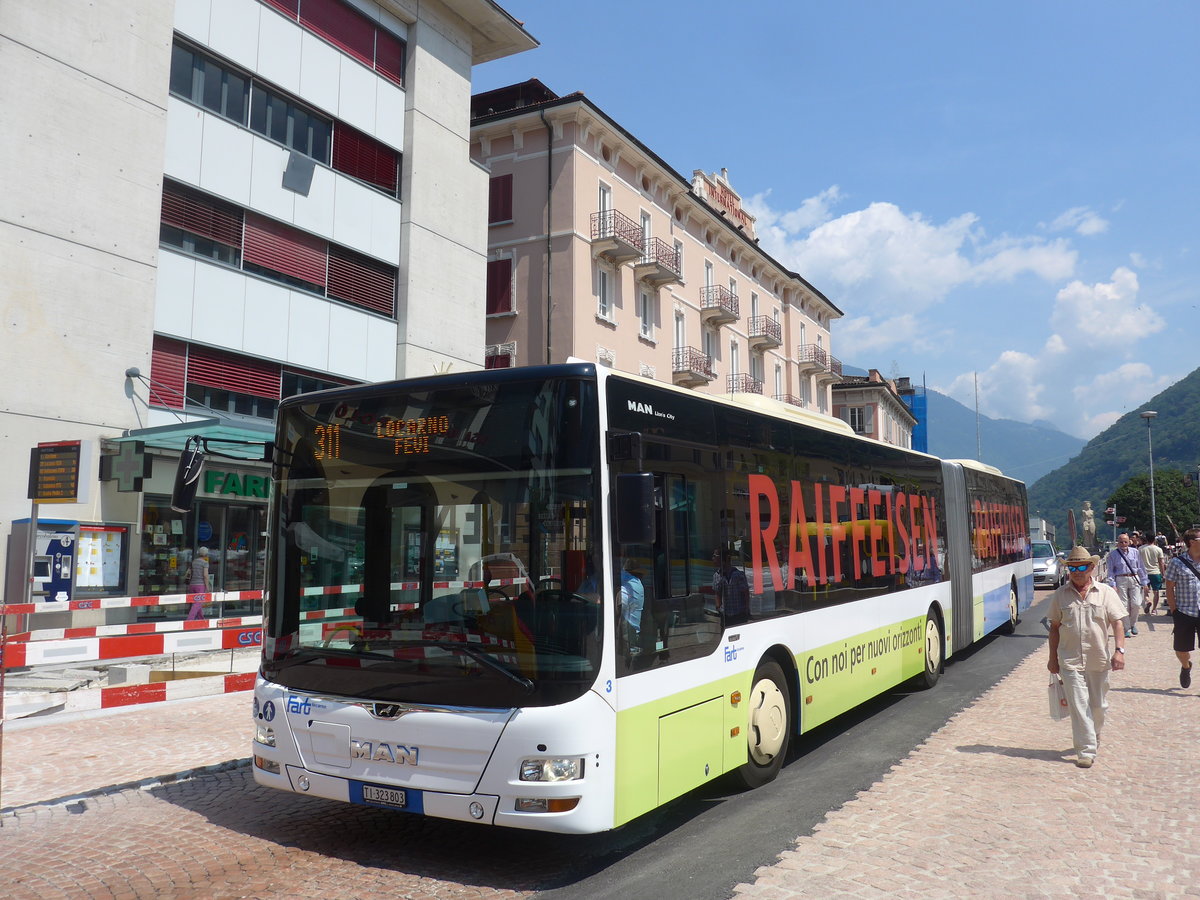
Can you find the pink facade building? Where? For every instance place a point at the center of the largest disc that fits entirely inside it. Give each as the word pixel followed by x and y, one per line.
pixel 599 250
pixel 872 406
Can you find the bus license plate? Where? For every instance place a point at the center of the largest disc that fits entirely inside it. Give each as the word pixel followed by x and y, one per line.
pixel 382 796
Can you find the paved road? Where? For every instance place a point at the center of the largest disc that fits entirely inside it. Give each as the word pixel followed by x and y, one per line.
pixel 984 806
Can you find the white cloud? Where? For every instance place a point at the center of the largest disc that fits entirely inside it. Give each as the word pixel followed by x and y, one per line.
pixel 881 256
pixel 1105 314
pixel 1010 388
pixel 863 337
pixel 1080 219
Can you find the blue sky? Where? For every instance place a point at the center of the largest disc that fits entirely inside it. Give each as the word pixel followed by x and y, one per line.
pixel 1001 188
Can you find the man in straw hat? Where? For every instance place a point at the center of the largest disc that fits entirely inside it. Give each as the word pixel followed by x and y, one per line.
pixel 1082 612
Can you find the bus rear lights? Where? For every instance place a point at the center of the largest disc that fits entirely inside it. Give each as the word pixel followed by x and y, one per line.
pixel 267 765
pixel 552 769
pixel 264 734
pixel 546 805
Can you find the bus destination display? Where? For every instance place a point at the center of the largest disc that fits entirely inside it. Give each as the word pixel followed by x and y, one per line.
pixel 407 436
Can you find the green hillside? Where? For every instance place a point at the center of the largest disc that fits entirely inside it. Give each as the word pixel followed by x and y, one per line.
pixel 1120 453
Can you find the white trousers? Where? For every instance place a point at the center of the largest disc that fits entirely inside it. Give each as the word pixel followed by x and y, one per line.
pixel 1087 697
pixel 1132 595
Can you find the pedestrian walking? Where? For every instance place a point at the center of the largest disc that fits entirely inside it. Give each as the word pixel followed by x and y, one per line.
pixel 1152 560
pixel 1183 601
pixel 198 583
pixel 1127 576
pixel 1081 613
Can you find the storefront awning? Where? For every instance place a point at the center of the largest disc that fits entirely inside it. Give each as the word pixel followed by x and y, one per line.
pixel 215 433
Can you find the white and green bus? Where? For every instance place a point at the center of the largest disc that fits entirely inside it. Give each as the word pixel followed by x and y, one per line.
pixel 558 597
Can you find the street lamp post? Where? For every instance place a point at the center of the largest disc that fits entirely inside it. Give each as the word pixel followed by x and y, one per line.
pixel 1150 415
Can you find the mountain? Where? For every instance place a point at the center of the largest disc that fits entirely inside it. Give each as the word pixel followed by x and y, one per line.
pixel 1018 449
pixel 1122 451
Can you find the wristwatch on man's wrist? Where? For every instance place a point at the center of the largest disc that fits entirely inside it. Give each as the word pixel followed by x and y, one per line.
pixel 1120 650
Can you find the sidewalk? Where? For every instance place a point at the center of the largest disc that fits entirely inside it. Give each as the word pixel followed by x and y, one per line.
pixel 992 804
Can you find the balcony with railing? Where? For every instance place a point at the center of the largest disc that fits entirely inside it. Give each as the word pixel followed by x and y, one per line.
pixel 813 358
pixel 659 264
pixel 615 237
pixel 690 367
pixel 742 383
pixel 718 305
pixel 790 399
pixel 765 333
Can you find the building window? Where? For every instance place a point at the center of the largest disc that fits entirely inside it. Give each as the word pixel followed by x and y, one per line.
pixel 204 226
pixel 371 44
pixel 679 255
pixel 499 286
pixel 778 380
pixel 500 199
pixel 604 293
pixel 222 89
pixel 646 314
pixel 856 416
pixel 680 334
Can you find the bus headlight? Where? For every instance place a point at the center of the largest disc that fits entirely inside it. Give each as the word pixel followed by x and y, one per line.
pixel 552 769
pixel 264 734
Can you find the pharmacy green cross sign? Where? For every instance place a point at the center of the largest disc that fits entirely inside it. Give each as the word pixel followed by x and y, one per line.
pixel 128 467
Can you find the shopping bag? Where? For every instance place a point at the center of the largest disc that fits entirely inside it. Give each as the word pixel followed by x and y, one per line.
pixel 1057 698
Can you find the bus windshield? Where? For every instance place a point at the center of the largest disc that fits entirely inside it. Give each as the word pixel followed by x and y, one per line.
pixel 437 546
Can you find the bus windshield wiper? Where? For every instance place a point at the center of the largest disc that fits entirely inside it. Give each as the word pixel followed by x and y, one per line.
pixel 480 657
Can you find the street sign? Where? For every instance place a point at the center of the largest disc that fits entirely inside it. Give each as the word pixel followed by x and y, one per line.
pixel 54 472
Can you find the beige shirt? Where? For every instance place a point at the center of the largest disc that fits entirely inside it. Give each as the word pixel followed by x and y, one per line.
pixel 1085 624
pixel 1152 556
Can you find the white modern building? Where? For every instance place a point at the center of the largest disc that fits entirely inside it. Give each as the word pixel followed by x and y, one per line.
pixel 209 205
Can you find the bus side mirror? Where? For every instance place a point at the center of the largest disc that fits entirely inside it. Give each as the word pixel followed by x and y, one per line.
pixel 635 508
pixel 187 476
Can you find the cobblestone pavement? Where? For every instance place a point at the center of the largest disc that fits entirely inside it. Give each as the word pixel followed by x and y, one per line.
pixel 992 805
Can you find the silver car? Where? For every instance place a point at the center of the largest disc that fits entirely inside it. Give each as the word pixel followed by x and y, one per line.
pixel 1048 567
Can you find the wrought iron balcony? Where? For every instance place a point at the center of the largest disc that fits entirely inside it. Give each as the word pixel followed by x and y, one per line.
pixel 690 367
pixel 765 333
pixel 615 236
pixel 814 358
pixel 659 264
pixel 718 305
pixel 790 399
pixel 742 384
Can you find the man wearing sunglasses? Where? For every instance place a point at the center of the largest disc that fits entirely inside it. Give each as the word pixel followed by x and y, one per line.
pixel 1082 612
pixel 1183 600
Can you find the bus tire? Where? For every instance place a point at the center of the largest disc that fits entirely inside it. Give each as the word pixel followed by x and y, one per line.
pixel 934 645
pixel 1013 615
pixel 768 726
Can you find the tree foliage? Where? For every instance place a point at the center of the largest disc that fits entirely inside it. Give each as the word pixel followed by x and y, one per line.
pixel 1176 505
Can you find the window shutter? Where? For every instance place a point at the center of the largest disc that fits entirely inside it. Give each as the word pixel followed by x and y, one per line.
pixel 500 207
pixel 341 26
pixel 868 419
pixel 358 279
pixel 168 372
pixel 499 286
pixel 389 56
pixel 282 248
pixel 498 361
pixel 201 215
pixel 229 372
pixel 290 7
pixel 365 158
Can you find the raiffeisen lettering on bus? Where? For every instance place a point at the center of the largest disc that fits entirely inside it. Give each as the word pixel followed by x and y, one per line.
pixel 890 529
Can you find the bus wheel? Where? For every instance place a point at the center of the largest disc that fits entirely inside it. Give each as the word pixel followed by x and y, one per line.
pixel 768 726
pixel 1013 616
pixel 933 652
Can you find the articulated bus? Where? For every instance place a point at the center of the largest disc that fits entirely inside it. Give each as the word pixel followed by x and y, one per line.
pixel 558 597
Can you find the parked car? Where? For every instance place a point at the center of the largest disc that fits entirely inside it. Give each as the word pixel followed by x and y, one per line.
pixel 1048 567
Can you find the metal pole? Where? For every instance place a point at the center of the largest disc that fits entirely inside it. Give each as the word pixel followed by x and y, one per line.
pixel 1149 415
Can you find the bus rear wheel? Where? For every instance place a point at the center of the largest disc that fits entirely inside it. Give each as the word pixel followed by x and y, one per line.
pixel 1014 615
pixel 768 725
pixel 933 652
